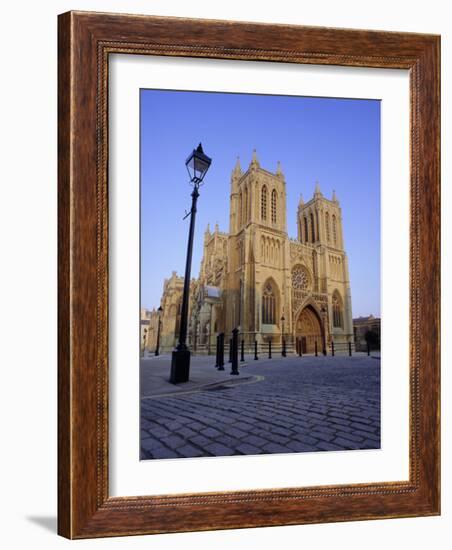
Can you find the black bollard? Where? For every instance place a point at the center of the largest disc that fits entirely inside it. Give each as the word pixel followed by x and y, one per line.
pixel 221 351
pixel 324 348
pixel 242 351
pixel 230 350
pixel 350 349
pixel 332 348
pixel 217 353
pixel 316 354
pixel 255 351
pixel 368 348
pixel 235 351
pixel 269 349
pixel 283 353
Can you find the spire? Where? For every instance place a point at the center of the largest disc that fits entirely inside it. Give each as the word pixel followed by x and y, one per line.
pixel 217 229
pixel 235 176
pixel 254 161
pixel 317 192
pixel 301 201
pixel 334 199
pixel 207 231
pixel 278 169
pixel 237 168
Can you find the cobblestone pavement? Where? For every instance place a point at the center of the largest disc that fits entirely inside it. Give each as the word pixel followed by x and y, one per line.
pixel 283 406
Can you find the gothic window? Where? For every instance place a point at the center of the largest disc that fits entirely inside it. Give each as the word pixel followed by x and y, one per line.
pixel 274 198
pixel 240 209
pixel 337 310
pixel 306 234
pixel 333 219
pixel 327 225
pixel 268 304
pixel 312 228
pixel 264 203
pixel 245 212
pixel 300 278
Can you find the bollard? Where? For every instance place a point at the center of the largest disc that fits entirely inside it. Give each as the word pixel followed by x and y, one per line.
pixel 283 353
pixel 221 351
pixel 217 354
pixel 332 348
pixel 235 351
pixel 255 351
pixel 269 349
pixel 242 351
pixel 350 349
pixel 368 348
pixel 324 351
pixel 230 350
pixel 316 354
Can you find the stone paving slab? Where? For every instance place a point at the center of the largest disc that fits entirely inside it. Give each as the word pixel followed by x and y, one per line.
pixel 275 406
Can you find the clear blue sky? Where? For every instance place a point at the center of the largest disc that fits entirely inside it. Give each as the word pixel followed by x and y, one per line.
pixel 334 141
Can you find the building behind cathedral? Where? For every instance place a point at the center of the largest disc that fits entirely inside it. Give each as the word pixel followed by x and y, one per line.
pixel 258 279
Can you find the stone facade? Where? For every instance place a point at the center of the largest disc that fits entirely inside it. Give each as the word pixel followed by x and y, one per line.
pixel 257 278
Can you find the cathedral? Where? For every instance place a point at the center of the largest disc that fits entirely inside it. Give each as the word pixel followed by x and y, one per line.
pixel 258 279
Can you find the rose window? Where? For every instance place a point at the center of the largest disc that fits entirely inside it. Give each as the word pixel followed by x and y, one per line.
pixel 300 278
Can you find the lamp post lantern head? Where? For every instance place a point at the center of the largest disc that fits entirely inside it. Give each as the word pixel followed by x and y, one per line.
pixel 160 310
pixel 197 165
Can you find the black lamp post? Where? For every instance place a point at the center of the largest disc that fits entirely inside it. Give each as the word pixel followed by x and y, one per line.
pixel 197 165
pixel 159 324
pixel 283 342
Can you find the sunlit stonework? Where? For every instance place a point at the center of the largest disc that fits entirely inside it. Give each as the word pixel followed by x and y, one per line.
pixel 258 279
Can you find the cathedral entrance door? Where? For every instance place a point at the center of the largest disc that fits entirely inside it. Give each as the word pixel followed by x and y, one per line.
pixel 304 348
pixel 309 330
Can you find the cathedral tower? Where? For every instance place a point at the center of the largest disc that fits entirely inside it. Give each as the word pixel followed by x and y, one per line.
pixel 319 223
pixel 257 278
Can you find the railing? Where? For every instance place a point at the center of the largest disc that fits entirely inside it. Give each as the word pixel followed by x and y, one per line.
pixel 272 349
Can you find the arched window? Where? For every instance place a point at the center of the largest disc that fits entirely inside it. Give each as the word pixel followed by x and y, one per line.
pixel 274 198
pixel 264 203
pixel 327 226
pixel 268 304
pixel 333 219
pixel 240 210
pixel 245 212
pixel 337 311
pixel 306 234
pixel 312 228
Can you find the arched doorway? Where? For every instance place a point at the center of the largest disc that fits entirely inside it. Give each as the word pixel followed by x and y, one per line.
pixel 308 331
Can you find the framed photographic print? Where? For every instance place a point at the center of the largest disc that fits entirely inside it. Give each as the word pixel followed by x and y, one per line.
pixel 248 275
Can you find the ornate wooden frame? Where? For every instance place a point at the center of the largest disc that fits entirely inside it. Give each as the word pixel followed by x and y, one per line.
pixel 85 42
